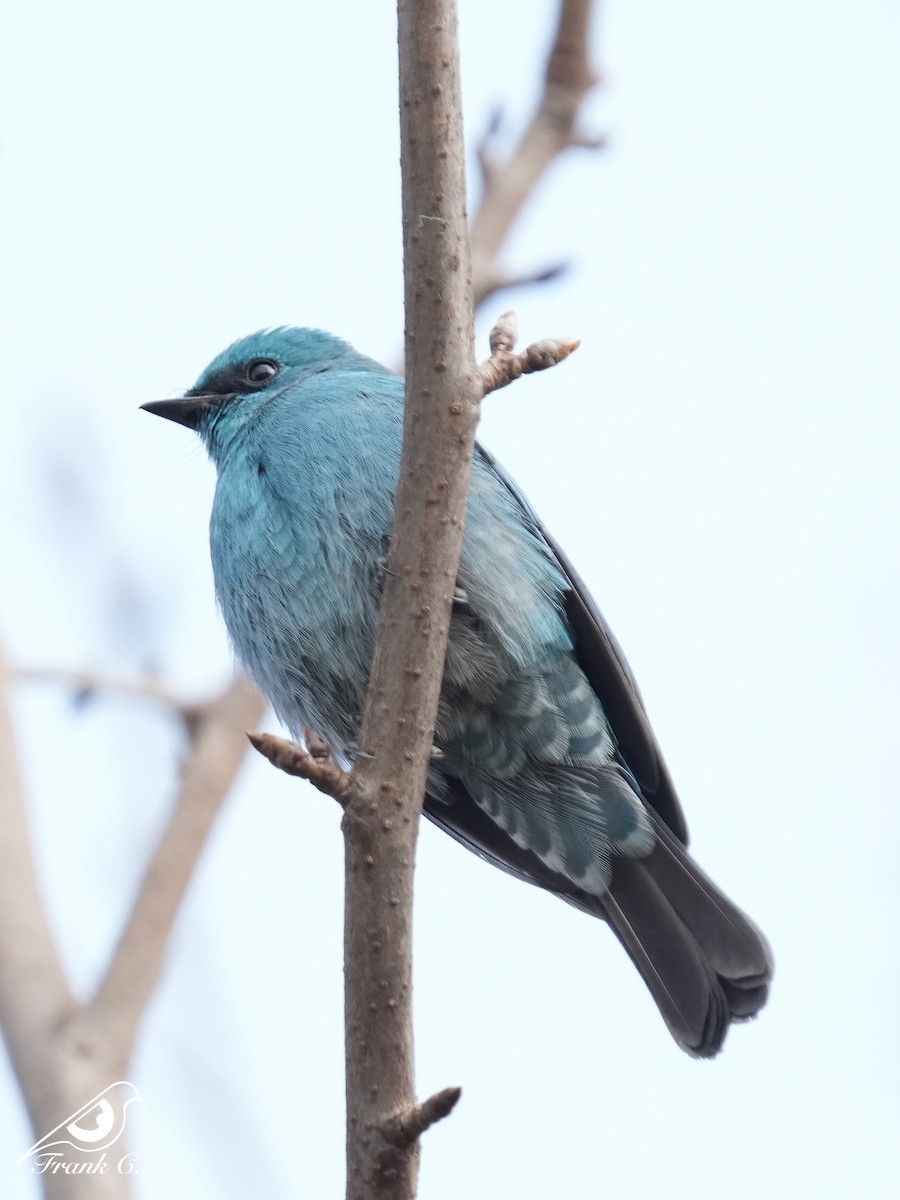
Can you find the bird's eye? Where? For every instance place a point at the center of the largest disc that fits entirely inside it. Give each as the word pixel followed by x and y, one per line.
pixel 261 370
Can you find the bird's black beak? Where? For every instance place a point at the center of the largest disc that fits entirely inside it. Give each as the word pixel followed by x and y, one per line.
pixel 186 410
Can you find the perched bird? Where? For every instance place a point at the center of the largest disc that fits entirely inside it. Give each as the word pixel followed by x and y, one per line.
pixel 548 766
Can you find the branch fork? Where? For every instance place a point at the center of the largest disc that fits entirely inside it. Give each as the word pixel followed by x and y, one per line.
pixel 313 764
pixel 504 366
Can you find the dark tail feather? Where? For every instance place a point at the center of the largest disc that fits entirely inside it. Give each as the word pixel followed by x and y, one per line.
pixel 705 963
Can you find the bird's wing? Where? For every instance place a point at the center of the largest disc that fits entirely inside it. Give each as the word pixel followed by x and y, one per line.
pixel 600 657
pixel 704 962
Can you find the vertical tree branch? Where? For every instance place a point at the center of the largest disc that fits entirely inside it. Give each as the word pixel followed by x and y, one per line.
pixel 385 797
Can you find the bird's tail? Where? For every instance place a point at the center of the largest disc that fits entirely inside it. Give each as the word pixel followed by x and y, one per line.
pixel 705 963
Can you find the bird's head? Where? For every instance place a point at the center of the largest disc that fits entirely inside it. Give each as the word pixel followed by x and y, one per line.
pixel 249 375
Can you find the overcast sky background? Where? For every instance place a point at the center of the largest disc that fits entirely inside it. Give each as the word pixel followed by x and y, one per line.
pixel 719 459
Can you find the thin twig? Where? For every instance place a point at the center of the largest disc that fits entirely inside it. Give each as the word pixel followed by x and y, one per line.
pixel 216 753
pixel 400 1134
pixel 313 765
pixel 504 366
pixel 88 684
pixel 403 1130
pixel 507 184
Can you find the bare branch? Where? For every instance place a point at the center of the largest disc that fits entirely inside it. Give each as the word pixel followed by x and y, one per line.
pixel 87 684
pixel 546 274
pixel 404 1130
pixel 63 1051
pixel 314 766
pixel 508 184
pixel 216 753
pixel 34 993
pixel 440 414
pixel 400 1133
pixel 504 366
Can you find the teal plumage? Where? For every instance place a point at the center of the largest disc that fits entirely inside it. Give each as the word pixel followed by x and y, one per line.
pixel 548 766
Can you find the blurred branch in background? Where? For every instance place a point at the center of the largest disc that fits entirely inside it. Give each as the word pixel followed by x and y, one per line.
pixel 507 183
pixel 85 685
pixel 64 1051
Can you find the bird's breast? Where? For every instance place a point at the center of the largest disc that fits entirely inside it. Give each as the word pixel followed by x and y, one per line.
pixel 297 587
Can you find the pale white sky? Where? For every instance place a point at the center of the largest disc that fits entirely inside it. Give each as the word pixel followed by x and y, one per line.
pixel 719 459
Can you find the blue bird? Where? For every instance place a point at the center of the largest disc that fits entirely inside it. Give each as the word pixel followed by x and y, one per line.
pixel 548 766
